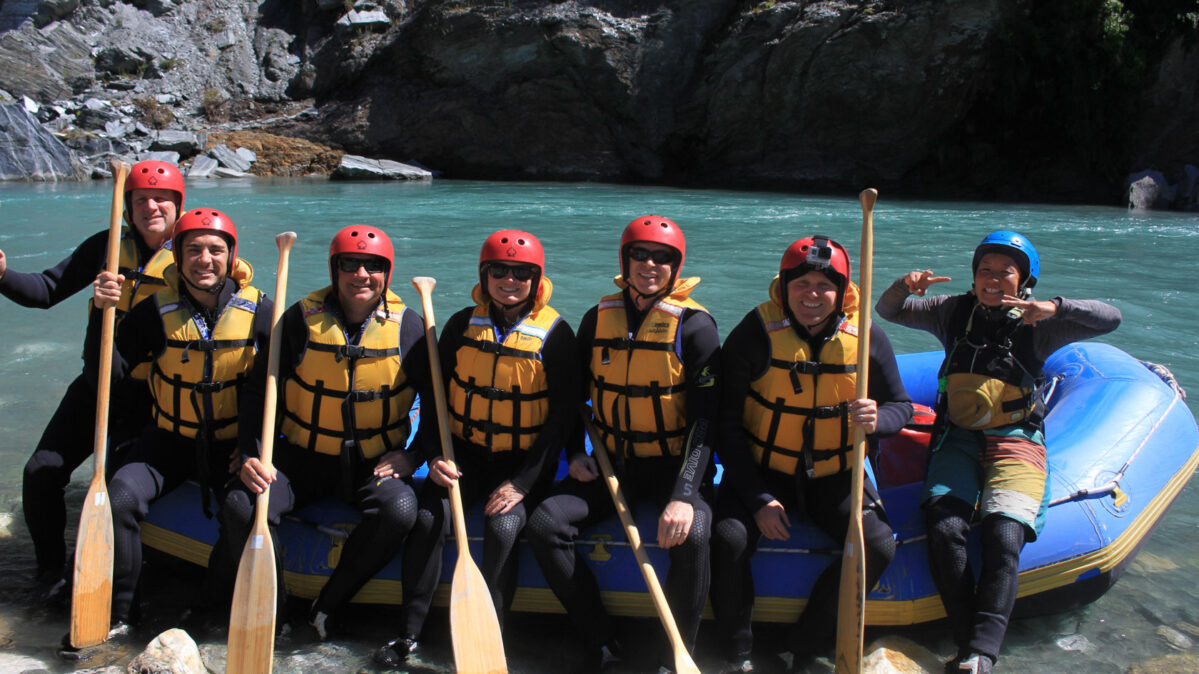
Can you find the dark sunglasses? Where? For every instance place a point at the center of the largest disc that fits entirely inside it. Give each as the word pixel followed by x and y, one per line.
pixel 372 265
pixel 658 256
pixel 499 271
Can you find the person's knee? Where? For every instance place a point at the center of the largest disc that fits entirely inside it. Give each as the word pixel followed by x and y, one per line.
pixel 46 469
pixel 730 538
pixel 547 526
pixel 948 521
pixel 1002 539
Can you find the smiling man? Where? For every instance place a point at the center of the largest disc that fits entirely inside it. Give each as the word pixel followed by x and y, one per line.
pixel 201 336
pixel 789 402
pixel 351 361
pixel 153 197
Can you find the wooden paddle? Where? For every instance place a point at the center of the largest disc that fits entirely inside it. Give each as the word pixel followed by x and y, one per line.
pixel 252 618
pixel 683 664
pixel 851 607
pixel 91 598
pixel 474 627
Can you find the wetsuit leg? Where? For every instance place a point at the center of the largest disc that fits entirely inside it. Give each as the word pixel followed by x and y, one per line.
pixel 947 521
pixel 827 501
pixel 734 541
pixel 388 507
pixel 499 562
pixel 690 576
pixel 237 519
pixel 65 444
pixel 552 530
pixel 1002 541
pixel 421 570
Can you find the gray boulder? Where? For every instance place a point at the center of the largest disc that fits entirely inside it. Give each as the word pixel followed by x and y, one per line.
pixel 186 143
pixel 247 154
pixel 29 152
pixel 226 172
pixel 202 167
pixel 171 157
pixel 353 167
pixel 229 159
pixel 1148 190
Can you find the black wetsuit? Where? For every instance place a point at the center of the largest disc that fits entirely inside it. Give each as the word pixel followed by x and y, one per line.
pixel 746 487
pixel 161 460
pixel 576 505
pixel 388 505
pixel 483 471
pixel 69 437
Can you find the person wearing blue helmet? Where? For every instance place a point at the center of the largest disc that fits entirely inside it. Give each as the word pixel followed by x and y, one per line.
pixel 988 459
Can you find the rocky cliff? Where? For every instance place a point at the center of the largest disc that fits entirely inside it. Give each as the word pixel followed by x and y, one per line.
pixel 956 98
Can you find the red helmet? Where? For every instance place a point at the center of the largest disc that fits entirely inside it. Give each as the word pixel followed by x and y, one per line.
pixel 513 245
pixel 816 253
pixel 210 220
pixel 653 229
pixel 363 240
pixel 155 175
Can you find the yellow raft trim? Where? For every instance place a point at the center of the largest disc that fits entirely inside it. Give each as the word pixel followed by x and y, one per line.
pixel 766 609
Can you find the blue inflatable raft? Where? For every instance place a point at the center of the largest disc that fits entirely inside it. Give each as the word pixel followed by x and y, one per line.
pixel 1122 445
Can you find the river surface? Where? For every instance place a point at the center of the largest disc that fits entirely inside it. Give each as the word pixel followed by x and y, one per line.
pixel 1142 263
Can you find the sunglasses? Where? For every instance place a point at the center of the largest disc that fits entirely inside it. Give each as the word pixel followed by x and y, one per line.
pixel 500 271
pixel 658 256
pixel 372 265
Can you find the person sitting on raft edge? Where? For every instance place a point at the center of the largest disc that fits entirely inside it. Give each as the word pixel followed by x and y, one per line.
pixel 790 381
pixel 649 356
pixel 352 359
pixel 988 458
pixel 512 382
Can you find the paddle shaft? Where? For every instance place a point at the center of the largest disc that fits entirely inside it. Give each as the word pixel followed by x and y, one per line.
pixel 108 320
pixel 424 285
pixel 271 396
pixel 252 616
pixel 91 600
pixel 851 609
pixel 474 625
pixel 683 664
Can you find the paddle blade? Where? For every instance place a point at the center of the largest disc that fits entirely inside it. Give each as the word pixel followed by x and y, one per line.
pixel 252 619
pixel 91 602
pixel 851 613
pixel 474 627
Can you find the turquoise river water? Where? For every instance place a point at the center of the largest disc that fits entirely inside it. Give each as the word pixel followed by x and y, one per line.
pixel 1142 263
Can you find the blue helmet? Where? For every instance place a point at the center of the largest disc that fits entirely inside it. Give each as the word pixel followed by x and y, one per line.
pixel 1015 246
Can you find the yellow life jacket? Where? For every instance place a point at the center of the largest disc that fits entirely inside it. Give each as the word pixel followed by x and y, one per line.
pixel 990 380
pixel 141 281
pixel 194 380
pixel 342 393
pixel 498 393
pixel 799 407
pixel 638 384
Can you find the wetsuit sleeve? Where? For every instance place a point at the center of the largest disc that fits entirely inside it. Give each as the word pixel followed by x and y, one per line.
pixel 930 314
pixel 886 386
pixel 584 340
pixel 701 366
pixel 139 338
pixel 414 359
pixel 562 379
pixel 744 357
pixel 1074 321
pixel 42 290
